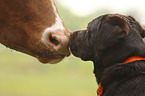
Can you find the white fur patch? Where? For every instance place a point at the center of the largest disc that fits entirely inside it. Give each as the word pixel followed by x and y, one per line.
pixel 55 27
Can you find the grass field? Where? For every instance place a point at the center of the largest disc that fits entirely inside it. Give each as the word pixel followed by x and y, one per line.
pixel 22 75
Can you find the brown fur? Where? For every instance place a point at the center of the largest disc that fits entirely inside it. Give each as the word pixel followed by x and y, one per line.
pixel 22 23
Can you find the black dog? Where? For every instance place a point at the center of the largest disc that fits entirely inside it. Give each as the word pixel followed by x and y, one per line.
pixel 114 43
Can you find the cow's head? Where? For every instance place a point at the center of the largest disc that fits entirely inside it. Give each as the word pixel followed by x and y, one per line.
pixel 34 27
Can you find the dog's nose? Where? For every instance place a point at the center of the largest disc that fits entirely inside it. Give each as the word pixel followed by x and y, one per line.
pixel 72 33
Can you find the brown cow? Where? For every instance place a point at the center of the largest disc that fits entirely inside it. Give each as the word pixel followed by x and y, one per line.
pixel 35 28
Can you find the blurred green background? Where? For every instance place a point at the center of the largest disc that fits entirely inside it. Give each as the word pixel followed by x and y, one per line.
pixel 23 75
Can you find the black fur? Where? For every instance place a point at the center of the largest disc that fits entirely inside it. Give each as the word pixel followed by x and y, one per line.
pixel 108 41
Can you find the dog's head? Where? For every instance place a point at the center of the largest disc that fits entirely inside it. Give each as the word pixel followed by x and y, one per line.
pixel 106 34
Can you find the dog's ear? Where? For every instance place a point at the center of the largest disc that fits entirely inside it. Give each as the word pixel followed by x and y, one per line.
pixel 119 26
pixel 112 30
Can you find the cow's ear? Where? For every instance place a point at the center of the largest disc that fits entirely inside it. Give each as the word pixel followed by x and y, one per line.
pixel 119 26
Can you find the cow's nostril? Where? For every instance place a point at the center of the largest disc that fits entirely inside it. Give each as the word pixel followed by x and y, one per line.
pixel 53 40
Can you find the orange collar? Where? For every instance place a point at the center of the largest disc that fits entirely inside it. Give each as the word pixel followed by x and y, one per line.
pixel 100 90
pixel 134 58
pixel 130 59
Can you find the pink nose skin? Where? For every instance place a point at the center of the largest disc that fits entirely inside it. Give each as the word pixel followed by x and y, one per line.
pixel 59 42
pixel 53 39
